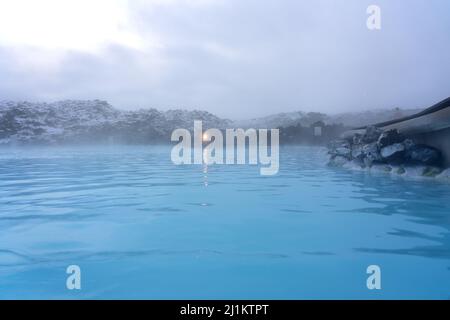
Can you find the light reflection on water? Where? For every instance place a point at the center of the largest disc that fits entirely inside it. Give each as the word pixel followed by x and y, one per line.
pixel 140 227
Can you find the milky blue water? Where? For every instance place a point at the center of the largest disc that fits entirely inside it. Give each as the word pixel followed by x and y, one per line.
pixel 140 227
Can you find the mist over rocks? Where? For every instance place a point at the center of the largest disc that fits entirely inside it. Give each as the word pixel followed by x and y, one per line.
pixel 348 119
pixel 386 151
pixel 93 121
pixel 97 122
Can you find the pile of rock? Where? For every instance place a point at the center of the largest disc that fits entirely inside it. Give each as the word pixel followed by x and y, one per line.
pixel 386 150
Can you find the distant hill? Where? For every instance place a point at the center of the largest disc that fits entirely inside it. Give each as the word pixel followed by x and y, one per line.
pixel 284 119
pixel 348 119
pixel 95 121
pixel 363 118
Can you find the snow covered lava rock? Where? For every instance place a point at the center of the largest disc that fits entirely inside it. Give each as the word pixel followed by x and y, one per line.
pixel 74 121
pixel 386 151
pixel 393 153
pixel 423 154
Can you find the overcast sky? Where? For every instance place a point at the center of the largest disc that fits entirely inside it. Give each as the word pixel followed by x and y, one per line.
pixel 235 58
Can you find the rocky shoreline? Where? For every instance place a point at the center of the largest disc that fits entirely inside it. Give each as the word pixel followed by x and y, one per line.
pixel 388 152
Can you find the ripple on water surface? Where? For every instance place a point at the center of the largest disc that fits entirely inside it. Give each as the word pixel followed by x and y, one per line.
pixel 140 227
